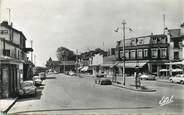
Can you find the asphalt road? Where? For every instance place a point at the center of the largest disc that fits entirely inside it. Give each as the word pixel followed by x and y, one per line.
pixel 64 94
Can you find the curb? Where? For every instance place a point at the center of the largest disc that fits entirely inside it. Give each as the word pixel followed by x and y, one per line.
pixel 140 90
pixel 5 111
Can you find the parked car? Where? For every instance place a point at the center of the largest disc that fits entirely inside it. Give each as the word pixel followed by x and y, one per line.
pixel 147 77
pixel 102 79
pixel 37 80
pixel 42 75
pixel 71 73
pixel 27 88
pixel 177 79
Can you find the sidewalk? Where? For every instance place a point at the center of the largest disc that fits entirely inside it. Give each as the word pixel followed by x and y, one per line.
pixel 129 84
pixel 132 87
pixel 6 104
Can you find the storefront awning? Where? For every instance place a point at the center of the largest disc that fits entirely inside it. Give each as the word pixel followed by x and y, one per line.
pixel 164 70
pixel 10 60
pixel 177 70
pixel 132 65
pixel 175 63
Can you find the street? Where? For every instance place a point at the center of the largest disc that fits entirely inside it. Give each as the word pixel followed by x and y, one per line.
pixel 71 94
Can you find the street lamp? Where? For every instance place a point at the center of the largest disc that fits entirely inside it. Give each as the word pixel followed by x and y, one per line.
pixel 123 58
pixel 63 54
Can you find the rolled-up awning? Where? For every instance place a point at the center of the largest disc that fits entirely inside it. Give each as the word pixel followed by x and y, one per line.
pixel 85 68
pixel 79 68
pixel 132 65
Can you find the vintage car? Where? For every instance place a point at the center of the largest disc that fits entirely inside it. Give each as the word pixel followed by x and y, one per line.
pixel 147 77
pixel 37 80
pixel 42 75
pixel 177 79
pixel 27 88
pixel 102 79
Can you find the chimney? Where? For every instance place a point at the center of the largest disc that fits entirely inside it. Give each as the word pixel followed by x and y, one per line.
pixel 11 24
pixel 4 23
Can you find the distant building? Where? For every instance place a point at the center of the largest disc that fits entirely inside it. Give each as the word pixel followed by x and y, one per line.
pixel 60 66
pixel 14 65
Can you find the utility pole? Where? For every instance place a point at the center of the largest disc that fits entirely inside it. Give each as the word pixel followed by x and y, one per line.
pixel 0 10
pixel 32 52
pixel 77 61
pixel 164 23
pixel 124 22
pixel 9 12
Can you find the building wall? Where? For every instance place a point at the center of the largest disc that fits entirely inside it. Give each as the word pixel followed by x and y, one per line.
pixel 1 47
pixel 4 33
pixel 11 70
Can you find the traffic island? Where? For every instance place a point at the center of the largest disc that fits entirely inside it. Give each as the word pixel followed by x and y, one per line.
pixel 132 87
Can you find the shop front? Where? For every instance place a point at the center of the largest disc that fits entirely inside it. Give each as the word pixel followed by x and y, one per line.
pixel 9 78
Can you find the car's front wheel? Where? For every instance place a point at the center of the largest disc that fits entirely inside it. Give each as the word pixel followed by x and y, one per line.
pixel 181 82
pixel 171 80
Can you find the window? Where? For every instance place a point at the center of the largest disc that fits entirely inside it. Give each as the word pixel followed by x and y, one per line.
pixel 139 53
pixel 121 54
pixel 154 53
pixel 176 55
pixel 127 54
pixel 132 54
pixel 3 31
pixel 163 39
pixel 176 44
pixel 141 42
pixel 163 52
pixel 154 40
pixel 145 52
pixel 133 42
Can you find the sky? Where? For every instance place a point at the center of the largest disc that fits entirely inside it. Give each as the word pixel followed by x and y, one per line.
pixel 85 25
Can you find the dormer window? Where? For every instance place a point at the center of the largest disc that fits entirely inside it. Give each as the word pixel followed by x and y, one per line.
pixel 141 42
pixel 154 40
pixel 163 39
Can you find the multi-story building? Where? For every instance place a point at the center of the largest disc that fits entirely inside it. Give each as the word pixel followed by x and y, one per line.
pixel 13 60
pixel 153 53
pixel 148 52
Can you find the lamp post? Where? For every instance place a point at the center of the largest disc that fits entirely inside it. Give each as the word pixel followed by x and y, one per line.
pixel 63 54
pixel 122 57
pixel 123 51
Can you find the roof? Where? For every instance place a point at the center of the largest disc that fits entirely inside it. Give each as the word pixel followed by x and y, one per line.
pixel 5 24
pixel 145 39
pixel 174 33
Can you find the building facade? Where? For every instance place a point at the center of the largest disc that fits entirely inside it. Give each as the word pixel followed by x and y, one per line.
pixel 148 52
pixel 13 59
pixel 60 66
pixel 153 53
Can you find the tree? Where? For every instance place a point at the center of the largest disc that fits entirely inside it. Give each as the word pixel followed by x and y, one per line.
pixel 64 54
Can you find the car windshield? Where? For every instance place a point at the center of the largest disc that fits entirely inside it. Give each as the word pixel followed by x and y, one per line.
pixel 27 84
pixel 179 75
